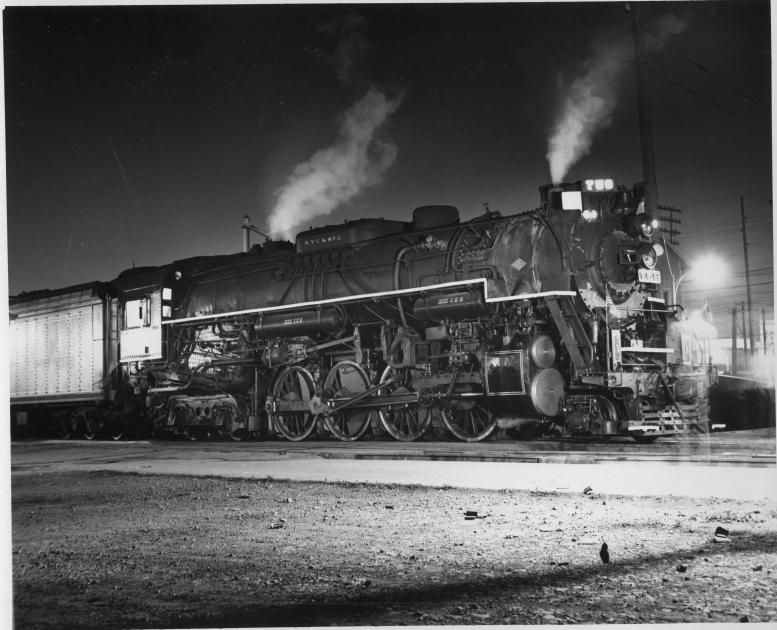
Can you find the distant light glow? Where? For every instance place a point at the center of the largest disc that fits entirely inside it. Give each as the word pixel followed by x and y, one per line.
pixel 708 271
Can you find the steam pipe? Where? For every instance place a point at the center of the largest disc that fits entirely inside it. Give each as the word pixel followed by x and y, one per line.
pixel 246 233
pixel 247 228
pixel 397 262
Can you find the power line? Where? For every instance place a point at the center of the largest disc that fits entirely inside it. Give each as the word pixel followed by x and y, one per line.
pixel 752 284
pixel 706 70
pixel 731 196
pixel 709 101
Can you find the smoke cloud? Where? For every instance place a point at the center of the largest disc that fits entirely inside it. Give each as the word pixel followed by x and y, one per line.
pixel 586 108
pixel 588 103
pixel 358 159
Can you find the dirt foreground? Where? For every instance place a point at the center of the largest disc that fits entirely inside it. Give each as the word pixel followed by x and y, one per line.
pixel 108 550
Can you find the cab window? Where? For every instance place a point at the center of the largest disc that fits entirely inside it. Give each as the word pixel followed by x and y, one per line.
pixel 136 313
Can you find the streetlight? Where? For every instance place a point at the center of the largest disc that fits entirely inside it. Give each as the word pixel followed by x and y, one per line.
pixel 708 270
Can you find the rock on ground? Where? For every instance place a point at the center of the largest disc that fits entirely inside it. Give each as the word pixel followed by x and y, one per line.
pixel 105 550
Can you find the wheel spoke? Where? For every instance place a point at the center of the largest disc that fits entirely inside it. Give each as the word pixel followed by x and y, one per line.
pixel 406 423
pixel 345 380
pixel 469 424
pixel 294 384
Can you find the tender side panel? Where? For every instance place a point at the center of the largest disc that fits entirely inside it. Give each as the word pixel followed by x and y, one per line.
pixel 58 354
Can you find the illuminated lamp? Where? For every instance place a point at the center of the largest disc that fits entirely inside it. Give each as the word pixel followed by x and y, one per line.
pixel 648 256
pixel 647 224
pixel 571 200
pixel 592 185
pixel 177 275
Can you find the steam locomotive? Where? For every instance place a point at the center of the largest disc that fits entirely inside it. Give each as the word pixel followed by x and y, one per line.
pixel 556 317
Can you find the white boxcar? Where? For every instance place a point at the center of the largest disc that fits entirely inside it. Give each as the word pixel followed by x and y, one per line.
pixel 62 345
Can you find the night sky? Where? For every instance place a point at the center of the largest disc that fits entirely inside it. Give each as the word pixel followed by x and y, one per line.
pixel 140 135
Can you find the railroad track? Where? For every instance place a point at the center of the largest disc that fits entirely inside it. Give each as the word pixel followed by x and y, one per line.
pixel 755 451
pixel 742 448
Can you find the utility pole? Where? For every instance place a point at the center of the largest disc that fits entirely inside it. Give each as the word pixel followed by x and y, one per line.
pixel 734 340
pixel 645 121
pixel 763 325
pixel 744 336
pixel 671 221
pixel 747 273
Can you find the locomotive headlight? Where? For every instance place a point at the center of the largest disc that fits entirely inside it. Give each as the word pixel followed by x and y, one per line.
pixel 590 215
pixel 647 224
pixel 648 256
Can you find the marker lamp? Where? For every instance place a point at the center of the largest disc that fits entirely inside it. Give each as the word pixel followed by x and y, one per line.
pixel 572 200
pixel 597 185
pixel 647 224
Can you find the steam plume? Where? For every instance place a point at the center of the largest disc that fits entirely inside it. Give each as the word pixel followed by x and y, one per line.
pixel 586 108
pixel 333 175
pixel 591 99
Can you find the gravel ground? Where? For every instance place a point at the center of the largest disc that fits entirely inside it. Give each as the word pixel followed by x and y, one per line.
pixel 107 550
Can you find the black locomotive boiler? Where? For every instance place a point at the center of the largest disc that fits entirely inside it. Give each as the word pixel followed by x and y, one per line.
pixel 555 316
